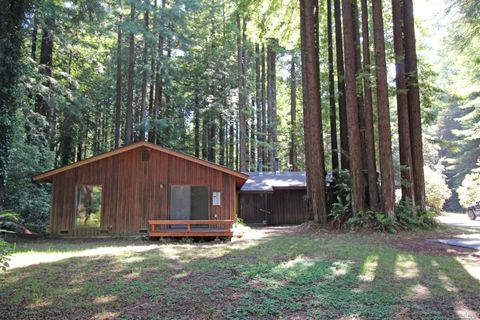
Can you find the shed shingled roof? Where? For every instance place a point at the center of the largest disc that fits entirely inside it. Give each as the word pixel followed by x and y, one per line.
pixel 267 181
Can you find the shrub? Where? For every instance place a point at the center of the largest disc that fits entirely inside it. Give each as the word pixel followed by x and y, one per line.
pixel 407 219
pixel 5 248
pixel 340 210
pixel 436 188
pixel 469 191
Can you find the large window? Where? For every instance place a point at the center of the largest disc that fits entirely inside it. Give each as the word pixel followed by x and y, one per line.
pixel 88 206
pixel 189 203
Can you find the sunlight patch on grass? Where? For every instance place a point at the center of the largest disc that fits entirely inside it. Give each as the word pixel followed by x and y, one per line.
pixel 367 271
pixel 25 259
pixel 471 266
pixel 104 299
pixel 339 268
pixel 446 282
pixel 106 315
pixel 406 267
pixel 464 312
pixel 418 292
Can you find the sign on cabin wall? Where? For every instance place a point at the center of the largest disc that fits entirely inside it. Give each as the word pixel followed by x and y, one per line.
pixel 216 198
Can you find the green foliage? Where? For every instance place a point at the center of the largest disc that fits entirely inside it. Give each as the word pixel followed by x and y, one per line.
pixel 469 191
pixel 408 219
pixel 436 188
pixel 341 207
pixel 5 247
pixel 372 220
pixel 239 221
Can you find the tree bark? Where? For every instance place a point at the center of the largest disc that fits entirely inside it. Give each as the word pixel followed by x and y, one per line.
pixel 130 82
pixel 356 165
pixel 312 109
pixel 293 115
pixel 196 130
pixel 258 103
pixel 143 103
pixel 118 86
pixel 331 91
pixel 414 112
pixel 373 196
pixel 241 99
pixel 264 109
pixel 33 52
pixel 385 137
pixel 272 103
pixel 402 103
pixel 342 105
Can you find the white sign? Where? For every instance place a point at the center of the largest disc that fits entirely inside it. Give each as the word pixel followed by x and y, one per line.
pixel 216 198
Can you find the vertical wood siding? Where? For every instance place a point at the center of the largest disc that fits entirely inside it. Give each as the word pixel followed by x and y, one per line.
pixel 135 191
pixel 286 207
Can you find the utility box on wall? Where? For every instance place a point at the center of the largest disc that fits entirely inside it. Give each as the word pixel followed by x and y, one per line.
pixel 216 196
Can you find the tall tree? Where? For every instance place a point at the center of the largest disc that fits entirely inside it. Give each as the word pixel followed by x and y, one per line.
pixel 331 90
pixel 414 113
pixel 373 196
pixel 293 115
pixel 385 137
pixel 241 98
pixel 143 102
pixel 258 103
pixel 130 81
pixel 11 19
pixel 272 102
pixel 118 86
pixel 264 106
pixel 342 105
pixel 402 102
pixel 313 122
pixel 356 164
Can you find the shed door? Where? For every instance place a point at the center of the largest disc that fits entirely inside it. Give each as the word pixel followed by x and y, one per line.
pixel 199 203
pixel 189 203
pixel 180 203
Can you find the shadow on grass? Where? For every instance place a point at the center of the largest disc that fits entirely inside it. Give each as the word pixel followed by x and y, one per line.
pixel 274 277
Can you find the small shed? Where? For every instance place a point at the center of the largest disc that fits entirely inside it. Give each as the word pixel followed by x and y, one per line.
pixel 274 198
pixel 122 191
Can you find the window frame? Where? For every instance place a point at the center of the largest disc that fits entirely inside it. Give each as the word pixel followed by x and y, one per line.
pixel 209 198
pixel 75 226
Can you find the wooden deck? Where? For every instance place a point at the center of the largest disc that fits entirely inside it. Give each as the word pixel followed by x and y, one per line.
pixel 190 228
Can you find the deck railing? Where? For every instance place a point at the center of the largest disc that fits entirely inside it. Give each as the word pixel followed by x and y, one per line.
pixel 189 232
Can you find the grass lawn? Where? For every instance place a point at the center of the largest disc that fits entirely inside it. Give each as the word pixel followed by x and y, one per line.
pixel 272 274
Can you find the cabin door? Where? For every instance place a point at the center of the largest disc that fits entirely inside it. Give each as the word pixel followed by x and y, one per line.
pixel 189 203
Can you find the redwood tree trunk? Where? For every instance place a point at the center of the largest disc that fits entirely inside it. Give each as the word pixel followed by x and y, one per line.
pixel 385 137
pixel 373 196
pixel 118 87
pixel 293 115
pixel 143 102
pixel 356 165
pixel 258 103
pixel 342 105
pixel 312 111
pixel 402 103
pixel 331 90
pixel 241 100
pixel 272 102
pixel 414 105
pixel 264 109
pixel 130 83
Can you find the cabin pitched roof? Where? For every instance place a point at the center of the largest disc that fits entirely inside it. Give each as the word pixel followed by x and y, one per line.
pixel 268 181
pixel 46 176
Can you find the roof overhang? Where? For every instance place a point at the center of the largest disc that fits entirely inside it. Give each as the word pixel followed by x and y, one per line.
pixel 240 178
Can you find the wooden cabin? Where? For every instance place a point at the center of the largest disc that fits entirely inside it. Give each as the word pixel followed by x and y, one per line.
pixel 274 198
pixel 143 188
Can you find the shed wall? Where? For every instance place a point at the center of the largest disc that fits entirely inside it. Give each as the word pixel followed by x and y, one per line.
pixel 135 191
pixel 286 207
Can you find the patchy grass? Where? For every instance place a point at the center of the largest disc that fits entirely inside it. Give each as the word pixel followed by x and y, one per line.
pixel 272 274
